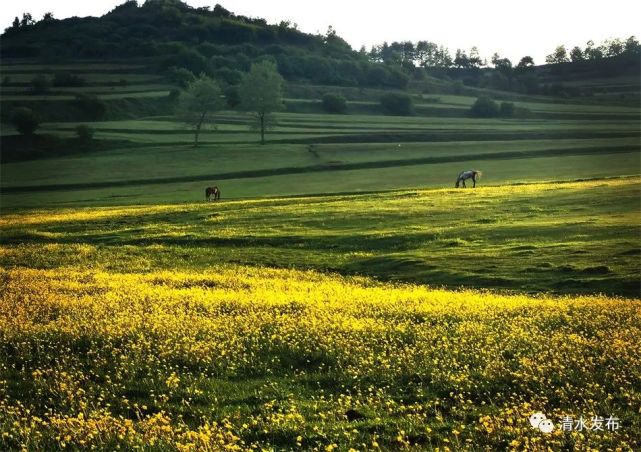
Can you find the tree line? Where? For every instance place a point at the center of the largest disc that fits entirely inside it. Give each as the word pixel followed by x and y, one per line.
pixel 609 48
pixel 431 55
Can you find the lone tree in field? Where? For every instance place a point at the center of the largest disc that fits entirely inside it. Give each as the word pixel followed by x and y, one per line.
pixel 202 97
pixel 261 92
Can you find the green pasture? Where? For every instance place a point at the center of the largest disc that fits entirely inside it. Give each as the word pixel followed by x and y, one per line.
pixel 567 237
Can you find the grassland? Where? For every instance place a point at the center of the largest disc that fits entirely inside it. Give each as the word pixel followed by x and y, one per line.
pixel 152 158
pixel 342 295
pixel 564 238
pixel 164 327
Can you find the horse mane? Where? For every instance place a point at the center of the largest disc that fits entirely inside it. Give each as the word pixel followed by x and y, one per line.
pixel 478 173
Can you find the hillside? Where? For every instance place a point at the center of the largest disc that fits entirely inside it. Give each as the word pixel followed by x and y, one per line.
pixel 166 33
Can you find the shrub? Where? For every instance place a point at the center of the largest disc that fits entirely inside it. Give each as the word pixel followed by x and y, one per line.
pixel 334 103
pixel 92 107
pixel 507 109
pixel 24 120
pixel 84 133
pixel 397 79
pixel 67 79
pixel 484 107
pixel 180 76
pixel 397 104
pixel 229 76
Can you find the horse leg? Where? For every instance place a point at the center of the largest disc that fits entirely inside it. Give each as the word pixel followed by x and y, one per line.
pixel 474 182
pixel 464 186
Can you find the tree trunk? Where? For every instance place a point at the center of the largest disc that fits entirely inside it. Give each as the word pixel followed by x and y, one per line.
pixel 262 129
pixel 198 126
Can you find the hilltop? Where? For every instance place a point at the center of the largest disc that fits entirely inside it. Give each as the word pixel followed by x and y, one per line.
pixel 168 33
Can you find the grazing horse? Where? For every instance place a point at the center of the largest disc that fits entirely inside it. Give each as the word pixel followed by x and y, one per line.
pixel 212 191
pixel 468 174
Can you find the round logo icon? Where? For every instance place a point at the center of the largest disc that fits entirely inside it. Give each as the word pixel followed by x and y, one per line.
pixel 536 419
pixel 546 426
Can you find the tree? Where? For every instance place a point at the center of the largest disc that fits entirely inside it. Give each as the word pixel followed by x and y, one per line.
pixel 591 52
pixel 525 63
pixel 461 60
pixel 560 55
pixel 475 58
pixel 201 98
pixel 24 120
pixel 48 17
pixel 261 92
pixel 484 107
pixel 576 54
pixel 180 76
pixel 503 65
pixel 334 103
pixel 632 45
pixel 27 19
pixel 613 47
pixel 397 104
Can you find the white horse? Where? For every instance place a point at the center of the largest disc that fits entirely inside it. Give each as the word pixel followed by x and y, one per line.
pixel 468 174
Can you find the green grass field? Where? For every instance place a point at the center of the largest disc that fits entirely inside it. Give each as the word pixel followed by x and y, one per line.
pixel 291 323
pixel 568 237
pixel 342 295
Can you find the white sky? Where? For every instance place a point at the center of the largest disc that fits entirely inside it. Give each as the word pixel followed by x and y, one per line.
pixel 512 28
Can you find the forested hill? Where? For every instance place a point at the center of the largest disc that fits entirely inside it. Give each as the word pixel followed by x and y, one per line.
pixel 178 41
pixel 215 41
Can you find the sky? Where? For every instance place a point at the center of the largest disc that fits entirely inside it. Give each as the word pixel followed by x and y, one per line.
pixel 512 28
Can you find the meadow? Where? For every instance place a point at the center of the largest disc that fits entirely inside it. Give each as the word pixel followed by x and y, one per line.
pixel 342 296
pixel 168 327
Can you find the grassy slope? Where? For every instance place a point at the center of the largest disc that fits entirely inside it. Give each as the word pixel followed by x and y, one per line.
pixel 571 237
pixel 148 323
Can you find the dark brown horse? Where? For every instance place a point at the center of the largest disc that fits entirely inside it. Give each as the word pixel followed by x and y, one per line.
pixel 212 191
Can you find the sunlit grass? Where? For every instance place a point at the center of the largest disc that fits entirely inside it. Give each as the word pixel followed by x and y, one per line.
pixel 100 359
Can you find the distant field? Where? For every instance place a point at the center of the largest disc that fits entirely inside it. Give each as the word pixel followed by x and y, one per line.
pixel 321 153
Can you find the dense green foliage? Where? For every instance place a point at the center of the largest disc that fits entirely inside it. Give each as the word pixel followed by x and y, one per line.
pixel 334 103
pixel 216 42
pixel 24 120
pixel 484 107
pixel 397 104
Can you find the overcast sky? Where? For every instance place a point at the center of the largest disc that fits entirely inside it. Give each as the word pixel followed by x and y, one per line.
pixel 510 27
